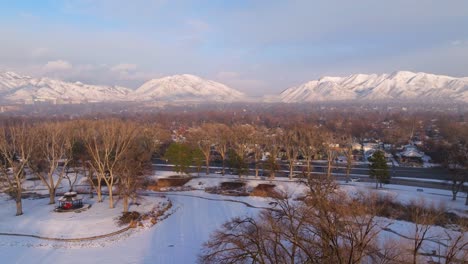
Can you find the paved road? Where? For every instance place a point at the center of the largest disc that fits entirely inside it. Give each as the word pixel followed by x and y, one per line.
pixel 436 173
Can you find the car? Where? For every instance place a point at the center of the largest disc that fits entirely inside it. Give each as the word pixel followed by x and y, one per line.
pixel 218 172
pixel 355 179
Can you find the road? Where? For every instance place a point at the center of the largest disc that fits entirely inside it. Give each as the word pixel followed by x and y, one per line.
pixel 418 177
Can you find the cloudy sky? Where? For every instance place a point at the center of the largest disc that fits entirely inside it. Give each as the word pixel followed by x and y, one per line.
pixel 255 46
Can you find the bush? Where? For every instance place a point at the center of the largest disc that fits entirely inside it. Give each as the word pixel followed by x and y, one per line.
pixel 127 217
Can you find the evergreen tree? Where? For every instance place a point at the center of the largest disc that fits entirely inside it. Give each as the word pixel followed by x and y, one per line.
pixel 378 168
pixel 180 155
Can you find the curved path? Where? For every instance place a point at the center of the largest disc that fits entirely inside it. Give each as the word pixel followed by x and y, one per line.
pixel 128 227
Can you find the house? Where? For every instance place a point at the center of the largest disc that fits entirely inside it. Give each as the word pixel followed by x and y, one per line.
pixel 410 154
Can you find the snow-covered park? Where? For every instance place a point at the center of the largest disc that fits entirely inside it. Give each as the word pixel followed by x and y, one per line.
pixel 195 214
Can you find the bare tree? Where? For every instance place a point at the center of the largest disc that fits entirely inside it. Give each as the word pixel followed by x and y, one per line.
pixel 52 150
pixel 309 144
pixel 331 148
pixel 257 145
pixel 424 217
pixel 318 230
pixel 16 147
pixel 107 143
pixel 223 139
pixel 242 135
pixel 347 151
pixel 273 146
pixel 133 167
pixel 290 143
pixel 457 248
pixel 203 137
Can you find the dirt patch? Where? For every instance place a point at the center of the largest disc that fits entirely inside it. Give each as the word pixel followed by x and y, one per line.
pixel 232 185
pixel 265 190
pixel 388 207
pixel 167 183
pixel 235 188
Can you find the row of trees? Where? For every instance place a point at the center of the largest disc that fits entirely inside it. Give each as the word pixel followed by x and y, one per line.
pixel 246 144
pixel 109 152
pixel 112 152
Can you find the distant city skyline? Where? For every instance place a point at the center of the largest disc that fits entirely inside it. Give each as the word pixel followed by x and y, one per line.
pixel 257 47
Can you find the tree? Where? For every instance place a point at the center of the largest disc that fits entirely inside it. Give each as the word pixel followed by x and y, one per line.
pixel 456 161
pixel 257 145
pixel 203 138
pixel 348 153
pixel 222 138
pixel 237 162
pixel 198 158
pixel 318 230
pixel 330 147
pixel 52 149
pixel 16 147
pixel 133 167
pixel 424 218
pixel 242 135
pixel 378 168
pixel 309 143
pixel 290 143
pixel 273 144
pixel 180 155
pixel 107 143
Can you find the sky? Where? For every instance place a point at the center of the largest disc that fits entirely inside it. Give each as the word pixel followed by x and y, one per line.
pixel 256 46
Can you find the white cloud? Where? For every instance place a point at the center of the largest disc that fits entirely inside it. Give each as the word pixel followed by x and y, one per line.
pixel 57 65
pixel 124 67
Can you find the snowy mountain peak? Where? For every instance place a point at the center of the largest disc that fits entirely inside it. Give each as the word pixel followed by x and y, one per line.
pixel 397 85
pixel 17 88
pixel 186 87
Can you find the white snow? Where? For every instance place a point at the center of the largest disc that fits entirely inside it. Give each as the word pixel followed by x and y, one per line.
pixel 186 87
pixel 398 85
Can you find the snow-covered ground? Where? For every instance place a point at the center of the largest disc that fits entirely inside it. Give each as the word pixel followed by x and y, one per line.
pixel 40 219
pixel 177 239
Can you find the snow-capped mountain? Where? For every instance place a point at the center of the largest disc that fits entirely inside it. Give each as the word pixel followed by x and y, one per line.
pixel 17 88
pixel 398 85
pixel 186 87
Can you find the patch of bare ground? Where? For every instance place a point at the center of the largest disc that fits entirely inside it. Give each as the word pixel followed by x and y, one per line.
pixel 266 190
pixel 389 207
pixel 171 183
pixel 231 188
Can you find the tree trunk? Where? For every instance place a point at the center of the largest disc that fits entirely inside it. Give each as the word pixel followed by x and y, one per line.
pixel 291 170
pixel 454 196
pixel 256 169
pixel 19 204
pixel 466 201
pixel 223 169
pixel 98 191
pixel 207 162
pixel 125 203
pixel 111 197
pixel 52 195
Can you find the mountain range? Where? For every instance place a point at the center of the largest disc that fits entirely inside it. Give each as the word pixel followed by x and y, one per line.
pixel 398 85
pixel 187 88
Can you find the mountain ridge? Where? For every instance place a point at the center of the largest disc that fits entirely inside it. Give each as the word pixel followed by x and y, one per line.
pixel 396 85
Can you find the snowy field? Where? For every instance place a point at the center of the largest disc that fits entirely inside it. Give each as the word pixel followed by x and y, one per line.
pixel 177 239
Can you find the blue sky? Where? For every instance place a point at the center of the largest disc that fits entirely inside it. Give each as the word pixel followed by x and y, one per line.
pixel 257 47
